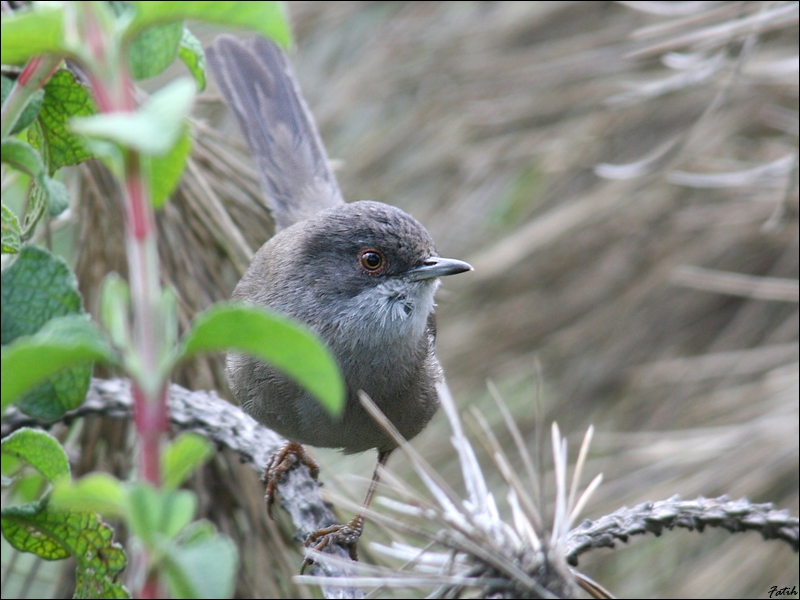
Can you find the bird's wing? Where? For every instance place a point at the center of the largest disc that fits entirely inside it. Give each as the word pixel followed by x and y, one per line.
pixel 258 85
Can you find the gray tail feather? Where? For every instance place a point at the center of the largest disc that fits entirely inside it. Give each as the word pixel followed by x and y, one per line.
pixel 258 85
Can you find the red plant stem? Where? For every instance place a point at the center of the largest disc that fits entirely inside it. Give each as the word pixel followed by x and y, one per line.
pixel 150 403
pixel 35 74
pixel 140 219
pixel 38 70
pixel 94 34
pixel 151 421
pixel 114 91
pixel 110 80
pixel 29 70
pixel 151 588
pixel 143 266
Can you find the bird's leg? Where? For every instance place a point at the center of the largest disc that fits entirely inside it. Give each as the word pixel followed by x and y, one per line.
pixel 346 535
pixel 283 460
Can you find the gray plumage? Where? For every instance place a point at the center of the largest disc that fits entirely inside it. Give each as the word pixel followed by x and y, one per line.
pixel 258 85
pixel 378 323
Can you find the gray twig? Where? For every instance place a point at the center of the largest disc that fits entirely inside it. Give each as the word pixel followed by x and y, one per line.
pixel 653 517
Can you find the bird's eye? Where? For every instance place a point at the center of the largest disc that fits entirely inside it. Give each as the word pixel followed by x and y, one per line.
pixel 372 261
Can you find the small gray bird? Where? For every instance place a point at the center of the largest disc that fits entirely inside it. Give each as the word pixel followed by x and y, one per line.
pixel 361 275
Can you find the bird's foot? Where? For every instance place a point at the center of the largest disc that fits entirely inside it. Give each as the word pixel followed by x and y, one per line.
pixel 344 535
pixel 282 461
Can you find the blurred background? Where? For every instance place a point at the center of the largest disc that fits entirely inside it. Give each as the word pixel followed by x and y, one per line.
pixel 623 177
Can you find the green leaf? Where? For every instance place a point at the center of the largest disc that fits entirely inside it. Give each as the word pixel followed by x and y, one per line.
pixel 180 508
pixel 153 129
pixel 10 230
pixel 115 306
pixel 24 34
pixel 96 492
pixel 64 99
pixel 35 208
pixel 40 450
pixel 110 153
pixel 28 486
pixel 154 49
pixel 169 313
pixel 182 457
pixel 21 524
pixel 267 18
pixel 285 344
pixel 166 171
pixel 89 585
pixel 191 53
pixel 21 156
pixel 56 195
pixel 31 110
pixel 35 289
pixel 205 568
pixel 195 531
pixel 156 514
pixel 143 513
pixel 54 534
pixel 70 342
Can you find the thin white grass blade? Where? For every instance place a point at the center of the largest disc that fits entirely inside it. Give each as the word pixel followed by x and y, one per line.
pixel 584 498
pixel 579 464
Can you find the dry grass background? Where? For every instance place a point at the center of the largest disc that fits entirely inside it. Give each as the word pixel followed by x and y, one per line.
pixel 581 155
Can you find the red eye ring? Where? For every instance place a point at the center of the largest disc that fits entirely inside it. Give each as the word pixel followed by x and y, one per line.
pixel 371 261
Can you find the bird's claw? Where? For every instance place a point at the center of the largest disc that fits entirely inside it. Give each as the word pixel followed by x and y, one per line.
pixel 281 462
pixel 346 536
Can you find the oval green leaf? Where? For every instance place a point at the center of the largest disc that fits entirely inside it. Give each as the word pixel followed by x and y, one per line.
pixel 40 450
pixel 190 51
pixel 11 231
pixel 32 32
pixel 204 568
pixel 64 342
pixel 153 129
pixel 285 344
pixel 183 457
pixel 166 171
pixel 154 49
pixel 55 534
pixel 96 492
pixel 267 18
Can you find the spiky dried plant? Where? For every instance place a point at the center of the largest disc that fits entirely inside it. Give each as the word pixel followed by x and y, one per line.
pixel 467 545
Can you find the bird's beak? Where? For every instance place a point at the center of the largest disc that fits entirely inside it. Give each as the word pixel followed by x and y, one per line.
pixel 438 267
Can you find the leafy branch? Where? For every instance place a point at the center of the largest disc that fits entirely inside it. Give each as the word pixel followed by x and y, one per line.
pixel 75 98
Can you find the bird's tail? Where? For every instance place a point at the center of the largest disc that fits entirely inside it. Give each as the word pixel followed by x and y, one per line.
pixel 258 85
